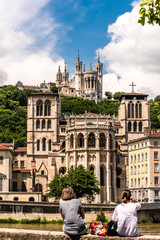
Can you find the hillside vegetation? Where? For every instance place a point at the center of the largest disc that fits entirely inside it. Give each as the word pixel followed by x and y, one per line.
pixel 13 111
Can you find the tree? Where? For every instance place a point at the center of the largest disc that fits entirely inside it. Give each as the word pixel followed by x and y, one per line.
pixel 109 95
pixel 54 89
pixel 117 95
pixel 81 180
pixel 150 9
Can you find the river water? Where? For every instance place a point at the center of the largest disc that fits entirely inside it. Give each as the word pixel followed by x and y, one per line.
pixel 145 229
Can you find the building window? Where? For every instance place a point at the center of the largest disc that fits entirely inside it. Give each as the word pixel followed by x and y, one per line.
pixel 49 124
pixel 135 158
pixel 132 110
pixel 91 140
pixel 134 126
pixel 22 154
pixel 146 144
pixel 142 145
pixel 24 189
pixel 156 181
pixel 131 182
pixel 118 182
pixel 156 193
pixel 155 143
pixel 31 199
pixel 63 130
pixel 142 157
pixel 146 156
pixel 156 167
pixel 102 140
pixel 1 184
pixel 44 144
pixel 15 199
pixel 80 140
pixel 49 145
pixel 135 182
pixel 131 170
pixel 129 109
pixel 135 170
pixel 71 141
pixel 136 110
pixel 38 145
pixel 62 159
pixel 156 157
pixel 146 181
pixel 1 160
pixel 129 126
pixel 53 162
pixel 15 175
pixel 102 176
pixel 62 170
pixel 131 159
pixel 43 124
pixel 139 182
pixel 22 164
pixel 39 108
pixel 138 157
pixel 37 124
pixel 15 164
pixel 15 184
pixel 140 126
pixel 24 175
pixel 134 146
pixel 138 169
pixel 140 110
pixel 146 168
pixel 142 168
pixel 47 108
pixel 42 172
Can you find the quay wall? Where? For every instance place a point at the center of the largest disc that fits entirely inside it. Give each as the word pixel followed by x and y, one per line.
pixel 33 210
pixel 18 234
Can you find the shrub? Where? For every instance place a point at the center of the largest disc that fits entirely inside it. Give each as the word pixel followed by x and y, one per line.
pixel 101 216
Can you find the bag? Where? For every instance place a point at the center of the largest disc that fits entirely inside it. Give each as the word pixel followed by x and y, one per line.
pixel 112 228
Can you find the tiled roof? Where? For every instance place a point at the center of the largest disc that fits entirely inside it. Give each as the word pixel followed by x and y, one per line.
pixel 21 170
pixel 2 147
pixel 21 149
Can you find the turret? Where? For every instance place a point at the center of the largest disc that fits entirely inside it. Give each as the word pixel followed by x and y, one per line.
pixel 65 76
pixel 59 77
pixel 78 76
pixel 99 69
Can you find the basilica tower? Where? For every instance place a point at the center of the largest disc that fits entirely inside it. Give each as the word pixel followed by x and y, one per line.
pixel 78 76
pixel 99 69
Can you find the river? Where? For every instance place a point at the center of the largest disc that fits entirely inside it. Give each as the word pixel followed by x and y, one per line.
pixel 145 229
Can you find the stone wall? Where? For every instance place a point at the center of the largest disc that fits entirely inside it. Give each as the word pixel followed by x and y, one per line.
pixel 18 234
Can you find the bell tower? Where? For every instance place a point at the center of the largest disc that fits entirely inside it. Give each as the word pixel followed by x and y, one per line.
pixel 78 76
pixel 99 69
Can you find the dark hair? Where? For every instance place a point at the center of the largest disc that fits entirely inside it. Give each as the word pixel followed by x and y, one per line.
pixel 126 196
pixel 68 193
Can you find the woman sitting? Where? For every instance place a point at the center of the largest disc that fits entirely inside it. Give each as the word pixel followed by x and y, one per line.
pixel 125 214
pixel 72 212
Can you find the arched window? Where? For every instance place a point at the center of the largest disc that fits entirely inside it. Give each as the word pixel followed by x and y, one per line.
pixel 136 110
pixel 49 124
pixel 1 198
pixel 39 108
pixel 43 124
pixel 140 126
pixel 42 172
pixel 80 140
pixel 134 126
pixel 110 141
pixel 71 141
pixel 62 170
pixel 132 110
pixel 38 145
pixel 37 124
pixel 63 146
pixel 91 140
pixel 47 111
pixel 102 176
pixel 49 145
pixel 38 187
pixel 44 144
pixel 91 169
pixel 15 199
pixel 129 126
pixel 31 199
pixel 140 110
pixel 129 110
pixel 102 140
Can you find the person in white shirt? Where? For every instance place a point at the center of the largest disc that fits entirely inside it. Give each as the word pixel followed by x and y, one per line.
pixel 125 214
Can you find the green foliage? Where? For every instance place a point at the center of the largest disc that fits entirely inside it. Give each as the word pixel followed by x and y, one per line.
pixel 101 216
pixel 59 221
pixel 109 95
pixel 150 10
pixel 54 89
pixel 117 95
pixel 31 221
pixel 9 220
pixel 81 180
pixel 155 113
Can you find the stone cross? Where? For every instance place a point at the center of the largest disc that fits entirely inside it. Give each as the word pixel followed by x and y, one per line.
pixel 132 85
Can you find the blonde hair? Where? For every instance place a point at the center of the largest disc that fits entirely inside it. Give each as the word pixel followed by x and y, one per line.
pixel 126 196
pixel 68 193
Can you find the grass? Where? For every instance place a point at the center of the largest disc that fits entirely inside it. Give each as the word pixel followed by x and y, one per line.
pixel 31 221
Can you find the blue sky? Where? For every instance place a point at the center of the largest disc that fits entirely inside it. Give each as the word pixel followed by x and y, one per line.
pixel 38 35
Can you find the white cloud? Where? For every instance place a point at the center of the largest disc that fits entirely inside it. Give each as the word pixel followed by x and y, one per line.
pixel 27 42
pixel 132 55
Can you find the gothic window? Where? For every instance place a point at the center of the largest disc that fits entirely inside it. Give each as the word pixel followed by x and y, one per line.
pixel 129 109
pixel 49 124
pixel 71 141
pixel 136 110
pixel 43 124
pixel 39 108
pixel 110 141
pixel 129 126
pixel 80 140
pixel 47 108
pixel 44 144
pixel 37 124
pixel 140 126
pixel 132 110
pixel 91 140
pixel 102 176
pixel 91 169
pixel 102 140
pixel 38 187
pixel 38 145
pixel 49 145
pixel 62 170
pixel 140 110
pixel 134 126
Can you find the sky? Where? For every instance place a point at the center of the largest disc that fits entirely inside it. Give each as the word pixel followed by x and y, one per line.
pixel 38 35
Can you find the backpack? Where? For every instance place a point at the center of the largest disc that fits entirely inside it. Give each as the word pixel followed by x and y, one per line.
pixel 112 228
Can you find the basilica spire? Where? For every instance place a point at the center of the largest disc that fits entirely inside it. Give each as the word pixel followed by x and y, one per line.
pixel 78 55
pixel 98 58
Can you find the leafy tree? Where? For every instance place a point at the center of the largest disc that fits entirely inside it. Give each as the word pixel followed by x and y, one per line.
pixel 109 95
pixel 150 10
pixel 117 95
pixel 81 180
pixel 54 89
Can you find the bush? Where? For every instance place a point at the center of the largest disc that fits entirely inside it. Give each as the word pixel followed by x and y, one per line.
pixel 59 221
pixel 101 216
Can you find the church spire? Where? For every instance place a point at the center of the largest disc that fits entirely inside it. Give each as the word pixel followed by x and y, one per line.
pixel 64 66
pixel 78 55
pixel 98 58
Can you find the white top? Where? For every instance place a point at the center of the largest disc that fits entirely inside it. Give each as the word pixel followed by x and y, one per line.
pixel 126 216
